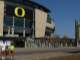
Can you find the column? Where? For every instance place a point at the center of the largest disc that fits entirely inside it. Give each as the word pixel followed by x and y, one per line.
pixel 24 33
pixel 24 29
pixel 13 26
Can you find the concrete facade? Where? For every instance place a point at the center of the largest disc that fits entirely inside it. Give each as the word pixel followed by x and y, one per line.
pixel 40 23
pixel 1 17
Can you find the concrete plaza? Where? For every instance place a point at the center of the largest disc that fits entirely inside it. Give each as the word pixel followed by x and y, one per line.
pixel 45 53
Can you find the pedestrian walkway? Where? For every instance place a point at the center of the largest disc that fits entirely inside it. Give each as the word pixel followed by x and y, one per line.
pixel 41 56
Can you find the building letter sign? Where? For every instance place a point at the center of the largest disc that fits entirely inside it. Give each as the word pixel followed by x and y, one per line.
pixel 22 12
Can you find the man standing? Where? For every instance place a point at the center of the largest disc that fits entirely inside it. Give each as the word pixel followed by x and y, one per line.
pixel 12 51
pixel 3 48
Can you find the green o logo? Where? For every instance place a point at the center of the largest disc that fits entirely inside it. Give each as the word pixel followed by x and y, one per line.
pixel 20 12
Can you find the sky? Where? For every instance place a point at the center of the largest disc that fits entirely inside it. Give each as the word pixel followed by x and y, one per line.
pixel 64 13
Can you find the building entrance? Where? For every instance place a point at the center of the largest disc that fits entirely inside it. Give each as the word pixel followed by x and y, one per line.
pixel 19 43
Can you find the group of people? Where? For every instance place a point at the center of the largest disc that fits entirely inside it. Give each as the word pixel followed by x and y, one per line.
pixel 7 48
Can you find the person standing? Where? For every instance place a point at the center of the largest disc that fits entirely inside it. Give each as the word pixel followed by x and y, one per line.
pixel 3 48
pixel 11 51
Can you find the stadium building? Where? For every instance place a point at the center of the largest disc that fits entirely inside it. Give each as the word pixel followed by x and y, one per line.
pixel 23 19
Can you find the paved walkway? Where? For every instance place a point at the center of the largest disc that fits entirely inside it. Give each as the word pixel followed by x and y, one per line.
pixel 41 56
pixel 43 53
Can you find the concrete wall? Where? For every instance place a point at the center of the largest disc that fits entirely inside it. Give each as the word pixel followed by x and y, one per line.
pixel 1 17
pixel 40 23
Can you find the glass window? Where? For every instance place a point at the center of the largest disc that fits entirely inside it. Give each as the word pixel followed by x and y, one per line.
pixel 28 23
pixel 48 19
pixel 9 10
pixel 8 21
pixel 29 14
pixel 18 22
